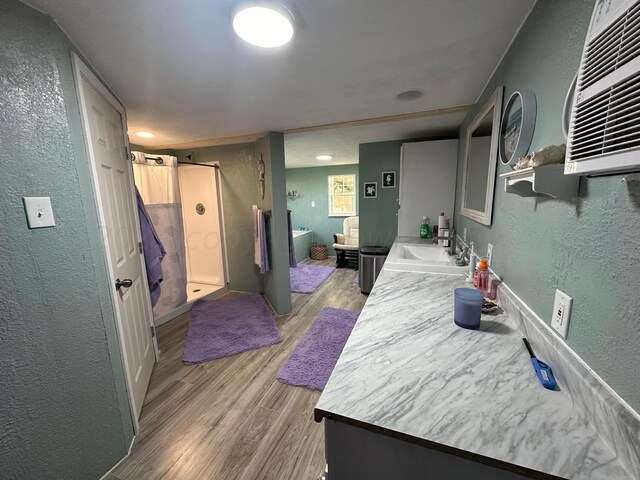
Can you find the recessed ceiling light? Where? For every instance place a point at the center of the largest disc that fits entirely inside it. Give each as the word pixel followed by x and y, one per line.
pixel 324 157
pixel 145 134
pixel 264 26
pixel 410 95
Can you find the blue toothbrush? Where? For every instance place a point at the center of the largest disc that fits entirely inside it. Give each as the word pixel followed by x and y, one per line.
pixel 543 371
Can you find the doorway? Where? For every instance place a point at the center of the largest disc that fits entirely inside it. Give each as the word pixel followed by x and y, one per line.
pixel 104 124
pixel 184 204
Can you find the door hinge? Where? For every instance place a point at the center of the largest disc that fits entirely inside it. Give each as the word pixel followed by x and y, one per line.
pixel 140 247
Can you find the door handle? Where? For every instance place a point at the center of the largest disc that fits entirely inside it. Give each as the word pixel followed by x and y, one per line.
pixel 126 283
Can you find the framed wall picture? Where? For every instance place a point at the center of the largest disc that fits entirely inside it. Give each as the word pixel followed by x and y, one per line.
pixel 370 189
pixel 388 179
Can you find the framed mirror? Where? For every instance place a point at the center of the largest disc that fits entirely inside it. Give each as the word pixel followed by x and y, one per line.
pixel 480 158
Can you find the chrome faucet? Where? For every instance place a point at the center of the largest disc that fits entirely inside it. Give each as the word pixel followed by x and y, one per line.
pixel 452 237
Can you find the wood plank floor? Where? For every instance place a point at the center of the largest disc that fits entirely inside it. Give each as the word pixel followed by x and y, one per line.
pixel 230 418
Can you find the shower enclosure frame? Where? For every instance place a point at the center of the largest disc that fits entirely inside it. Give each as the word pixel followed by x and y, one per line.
pixel 223 249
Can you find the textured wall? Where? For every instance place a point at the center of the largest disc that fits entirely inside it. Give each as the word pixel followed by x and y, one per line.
pixel 587 247
pixel 276 283
pixel 378 216
pixel 312 184
pixel 63 405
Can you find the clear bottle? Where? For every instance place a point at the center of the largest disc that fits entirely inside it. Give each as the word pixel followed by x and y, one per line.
pixel 441 226
pixel 483 275
pixel 425 229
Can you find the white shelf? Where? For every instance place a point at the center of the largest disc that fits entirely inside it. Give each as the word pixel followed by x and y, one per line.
pixel 543 180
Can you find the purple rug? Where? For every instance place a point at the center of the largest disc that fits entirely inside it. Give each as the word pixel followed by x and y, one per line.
pixel 313 360
pixel 307 278
pixel 221 328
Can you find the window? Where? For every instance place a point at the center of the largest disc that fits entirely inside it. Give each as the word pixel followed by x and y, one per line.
pixel 342 195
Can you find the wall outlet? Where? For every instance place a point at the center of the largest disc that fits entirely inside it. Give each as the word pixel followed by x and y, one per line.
pixel 313 204
pixel 561 313
pixel 464 235
pixel 489 253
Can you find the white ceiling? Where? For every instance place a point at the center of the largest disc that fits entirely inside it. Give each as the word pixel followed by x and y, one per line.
pixel 184 75
pixel 301 149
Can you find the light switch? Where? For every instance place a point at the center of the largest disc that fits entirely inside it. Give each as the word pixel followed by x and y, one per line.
pixel 39 212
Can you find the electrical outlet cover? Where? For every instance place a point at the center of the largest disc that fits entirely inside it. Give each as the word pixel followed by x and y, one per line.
pixel 561 313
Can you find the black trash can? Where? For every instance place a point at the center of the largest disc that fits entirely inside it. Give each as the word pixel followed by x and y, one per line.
pixel 371 261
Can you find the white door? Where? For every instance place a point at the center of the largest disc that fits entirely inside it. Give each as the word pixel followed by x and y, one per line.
pixel 103 119
pixel 427 183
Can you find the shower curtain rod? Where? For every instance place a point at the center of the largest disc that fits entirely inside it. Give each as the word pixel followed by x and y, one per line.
pixel 159 161
pixel 199 164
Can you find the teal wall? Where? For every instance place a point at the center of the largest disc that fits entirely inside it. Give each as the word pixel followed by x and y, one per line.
pixel 378 216
pixel 312 184
pixel 241 190
pixel 277 282
pixel 587 247
pixel 64 411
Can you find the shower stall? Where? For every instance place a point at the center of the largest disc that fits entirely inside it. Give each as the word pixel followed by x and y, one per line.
pixel 184 203
pixel 204 241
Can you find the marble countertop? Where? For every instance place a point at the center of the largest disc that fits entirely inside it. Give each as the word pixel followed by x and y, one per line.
pixel 408 369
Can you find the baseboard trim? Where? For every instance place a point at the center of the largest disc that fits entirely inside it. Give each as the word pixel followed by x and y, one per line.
pixel 104 477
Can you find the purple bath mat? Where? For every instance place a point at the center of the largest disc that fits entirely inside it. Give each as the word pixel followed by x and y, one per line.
pixel 307 278
pixel 313 360
pixel 221 328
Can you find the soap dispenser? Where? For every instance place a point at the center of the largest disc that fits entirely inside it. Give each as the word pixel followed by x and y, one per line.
pixel 483 275
pixel 441 227
pixel 425 229
pixel 472 263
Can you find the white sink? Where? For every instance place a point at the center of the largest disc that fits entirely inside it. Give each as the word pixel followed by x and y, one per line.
pixel 412 257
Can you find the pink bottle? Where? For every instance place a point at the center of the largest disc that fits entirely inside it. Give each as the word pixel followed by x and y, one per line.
pixel 483 276
pixel 493 289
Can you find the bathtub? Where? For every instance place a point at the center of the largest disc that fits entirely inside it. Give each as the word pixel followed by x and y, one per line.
pixel 302 241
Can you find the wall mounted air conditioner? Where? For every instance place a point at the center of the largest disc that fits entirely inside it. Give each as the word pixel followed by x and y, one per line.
pixel 604 134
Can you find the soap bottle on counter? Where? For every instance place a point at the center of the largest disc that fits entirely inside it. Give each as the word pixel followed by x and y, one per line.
pixel 425 228
pixel 483 275
pixel 472 264
pixel 441 226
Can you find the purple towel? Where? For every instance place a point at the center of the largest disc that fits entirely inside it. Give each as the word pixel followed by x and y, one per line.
pixel 292 247
pixel 153 250
pixel 260 240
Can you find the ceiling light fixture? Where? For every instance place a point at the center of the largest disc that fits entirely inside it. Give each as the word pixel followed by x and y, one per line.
pixel 324 158
pixel 145 134
pixel 264 25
